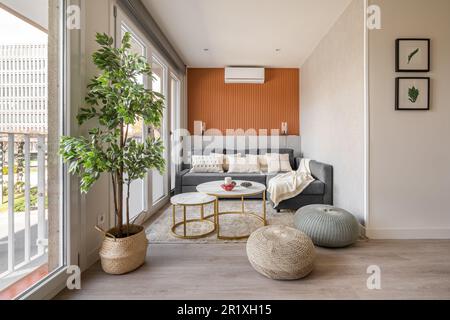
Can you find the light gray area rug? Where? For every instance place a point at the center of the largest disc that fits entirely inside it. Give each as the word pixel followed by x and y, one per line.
pixel 231 225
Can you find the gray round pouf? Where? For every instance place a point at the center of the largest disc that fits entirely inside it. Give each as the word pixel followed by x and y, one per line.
pixel 327 226
pixel 281 253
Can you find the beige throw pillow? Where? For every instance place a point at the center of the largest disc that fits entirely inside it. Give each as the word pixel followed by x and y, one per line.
pixel 226 159
pixel 285 164
pixel 247 164
pixel 207 164
pixel 278 163
pixel 263 163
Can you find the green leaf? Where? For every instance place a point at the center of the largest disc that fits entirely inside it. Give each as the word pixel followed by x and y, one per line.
pixel 413 94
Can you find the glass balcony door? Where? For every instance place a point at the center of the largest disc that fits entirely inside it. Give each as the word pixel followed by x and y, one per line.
pixel 175 104
pixel 32 220
pixel 160 182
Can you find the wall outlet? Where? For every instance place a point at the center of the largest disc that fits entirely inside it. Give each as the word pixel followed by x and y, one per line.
pixel 101 220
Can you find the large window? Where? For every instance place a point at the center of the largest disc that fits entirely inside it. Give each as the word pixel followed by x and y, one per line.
pixel 31 218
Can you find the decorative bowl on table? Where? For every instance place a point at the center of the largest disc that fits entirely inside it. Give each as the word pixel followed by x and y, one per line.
pixel 246 184
pixel 228 187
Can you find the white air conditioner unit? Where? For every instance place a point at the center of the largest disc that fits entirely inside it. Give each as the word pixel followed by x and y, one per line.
pixel 244 75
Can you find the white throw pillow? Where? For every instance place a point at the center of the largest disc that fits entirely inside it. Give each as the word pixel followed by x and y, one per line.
pixel 278 163
pixel 207 164
pixel 253 163
pixel 247 164
pixel 226 159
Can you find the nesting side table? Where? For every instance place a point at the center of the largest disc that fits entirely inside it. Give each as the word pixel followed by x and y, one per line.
pixel 193 199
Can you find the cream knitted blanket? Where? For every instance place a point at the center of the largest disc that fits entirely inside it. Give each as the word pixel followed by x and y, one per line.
pixel 289 185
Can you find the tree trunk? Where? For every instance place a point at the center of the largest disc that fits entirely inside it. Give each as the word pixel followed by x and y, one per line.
pixel 114 184
pixel 120 203
pixel 120 183
pixel 128 207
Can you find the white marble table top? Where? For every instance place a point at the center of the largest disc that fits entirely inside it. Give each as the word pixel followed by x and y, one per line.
pixel 192 199
pixel 214 189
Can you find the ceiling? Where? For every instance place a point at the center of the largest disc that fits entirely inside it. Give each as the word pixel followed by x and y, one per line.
pixel 245 32
pixel 37 11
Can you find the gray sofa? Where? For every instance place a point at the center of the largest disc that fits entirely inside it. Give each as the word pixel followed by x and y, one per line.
pixel 319 192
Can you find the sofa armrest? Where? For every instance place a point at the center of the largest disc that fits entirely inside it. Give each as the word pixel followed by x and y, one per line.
pixel 297 162
pixel 324 173
pixel 179 181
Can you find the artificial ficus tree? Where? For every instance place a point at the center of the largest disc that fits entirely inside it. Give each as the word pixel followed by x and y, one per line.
pixel 117 100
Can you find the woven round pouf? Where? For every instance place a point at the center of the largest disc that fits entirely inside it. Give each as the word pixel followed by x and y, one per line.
pixel 281 253
pixel 327 226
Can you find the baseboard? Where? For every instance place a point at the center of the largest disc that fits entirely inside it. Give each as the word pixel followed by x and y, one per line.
pixel 408 234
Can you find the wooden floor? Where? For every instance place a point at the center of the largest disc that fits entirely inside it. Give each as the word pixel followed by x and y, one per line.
pixel 409 270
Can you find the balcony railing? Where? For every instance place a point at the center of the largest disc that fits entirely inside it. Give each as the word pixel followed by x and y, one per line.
pixel 23 213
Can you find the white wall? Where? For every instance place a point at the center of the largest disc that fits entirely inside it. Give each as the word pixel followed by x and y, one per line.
pixel 332 107
pixel 410 151
pixel 97 202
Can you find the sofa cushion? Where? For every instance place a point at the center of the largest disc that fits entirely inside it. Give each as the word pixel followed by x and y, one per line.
pixel 315 188
pixel 194 179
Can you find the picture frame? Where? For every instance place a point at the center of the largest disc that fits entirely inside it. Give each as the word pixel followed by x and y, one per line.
pixel 412 93
pixel 413 55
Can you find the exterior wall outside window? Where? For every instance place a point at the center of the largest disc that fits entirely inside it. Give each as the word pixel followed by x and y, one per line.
pixel 23 88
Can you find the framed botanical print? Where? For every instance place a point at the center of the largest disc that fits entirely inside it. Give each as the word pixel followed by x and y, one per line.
pixel 413 55
pixel 412 94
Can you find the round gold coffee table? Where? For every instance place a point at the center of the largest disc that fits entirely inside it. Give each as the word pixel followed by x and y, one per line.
pixel 193 199
pixel 214 189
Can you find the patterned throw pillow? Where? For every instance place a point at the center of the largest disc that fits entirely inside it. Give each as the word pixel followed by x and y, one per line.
pixel 207 164
pixel 247 164
pixel 278 163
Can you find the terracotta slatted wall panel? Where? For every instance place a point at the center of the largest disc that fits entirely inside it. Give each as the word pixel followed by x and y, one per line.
pixel 244 106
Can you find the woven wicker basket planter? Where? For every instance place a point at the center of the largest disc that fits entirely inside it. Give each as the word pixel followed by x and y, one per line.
pixel 120 256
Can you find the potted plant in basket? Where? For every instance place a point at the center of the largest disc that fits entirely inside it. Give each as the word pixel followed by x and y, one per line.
pixel 117 100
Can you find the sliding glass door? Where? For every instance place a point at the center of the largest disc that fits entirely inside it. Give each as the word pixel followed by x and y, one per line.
pixel 32 220
pixel 175 104
pixel 159 84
